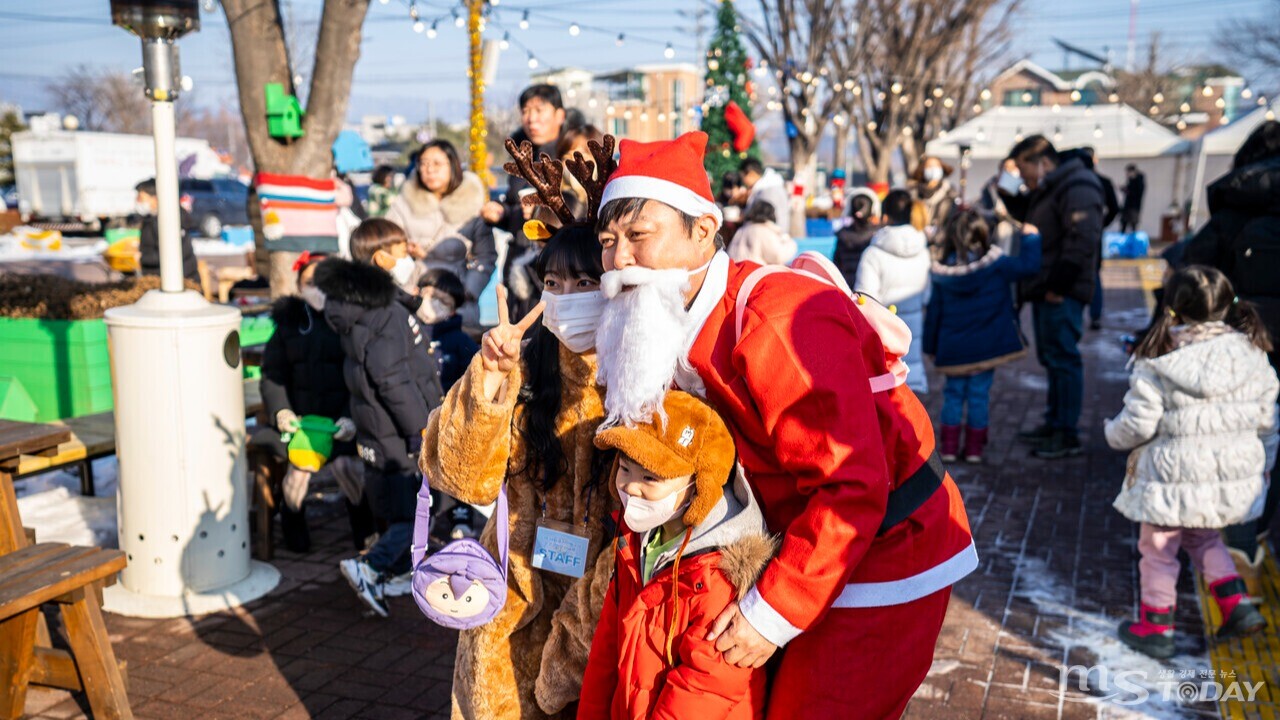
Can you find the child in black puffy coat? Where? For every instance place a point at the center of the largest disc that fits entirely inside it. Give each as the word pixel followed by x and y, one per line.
pixel 394 384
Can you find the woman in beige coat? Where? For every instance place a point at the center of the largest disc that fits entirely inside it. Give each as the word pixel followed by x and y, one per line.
pixel 527 411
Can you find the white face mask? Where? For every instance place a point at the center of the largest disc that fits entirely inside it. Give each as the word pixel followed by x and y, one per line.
pixel 434 310
pixel 1011 184
pixel 573 318
pixel 933 174
pixel 403 270
pixel 143 209
pixel 312 296
pixel 644 515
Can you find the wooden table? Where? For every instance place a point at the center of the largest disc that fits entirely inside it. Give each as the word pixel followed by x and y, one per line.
pixel 70 577
pixel 18 439
pixel 94 436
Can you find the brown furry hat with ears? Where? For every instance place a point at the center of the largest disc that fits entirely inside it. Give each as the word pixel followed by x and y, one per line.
pixel 693 441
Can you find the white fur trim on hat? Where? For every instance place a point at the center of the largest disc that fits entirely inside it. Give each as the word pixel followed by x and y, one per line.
pixel 673 194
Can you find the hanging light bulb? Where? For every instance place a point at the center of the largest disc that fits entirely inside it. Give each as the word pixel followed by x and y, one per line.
pixel 906 131
pixel 457 19
pixel 895 88
pixel 948 103
pixel 806 77
pixel 524 20
pixel 419 26
pixel 985 94
pixel 1017 135
pixel 1026 97
pixel 505 44
pixel 1185 107
pixel 627 115
pixel 713 64
pixel 871 125
pixel 1270 115
pixel 1097 131
pixel 1113 97
pixel 433 31
pixel 533 62
pixel 574 29
pixel 981 135
pixel 622 37
pixel 937 92
pixel 1057 108
pixel 857 90
pixel 1075 96
pixel 977 108
pixel 591 102
pixel 1155 110
pixel 1220 103
pixel 670 52
pixel 610 110
pixel 928 102
pixel 1246 93
pixel 1158 97
pixel 662 117
pixel 1207 91
pixel 1057 135
pixel 413 10
pixel 1182 124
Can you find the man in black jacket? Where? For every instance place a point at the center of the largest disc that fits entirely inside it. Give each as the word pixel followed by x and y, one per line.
pixel 1067 205
pixel 394 384
pixel 146 207
pixel 1112 204
pixel 1135 187
pixel 542 118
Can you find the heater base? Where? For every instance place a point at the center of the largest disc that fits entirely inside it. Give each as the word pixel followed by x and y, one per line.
pixel 261 580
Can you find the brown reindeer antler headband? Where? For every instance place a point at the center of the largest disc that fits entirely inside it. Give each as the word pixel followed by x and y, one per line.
pixel 544 174
pixel 593 176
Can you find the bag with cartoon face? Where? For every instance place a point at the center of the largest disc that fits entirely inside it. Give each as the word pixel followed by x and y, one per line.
pixel 462 586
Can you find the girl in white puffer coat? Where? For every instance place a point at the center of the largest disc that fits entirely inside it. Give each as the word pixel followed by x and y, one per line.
pixel 1200 417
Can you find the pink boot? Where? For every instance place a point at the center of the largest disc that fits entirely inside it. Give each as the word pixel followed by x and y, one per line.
pixel 1152 634
pixel 950 442
pixel 975 440
pixel 1239 617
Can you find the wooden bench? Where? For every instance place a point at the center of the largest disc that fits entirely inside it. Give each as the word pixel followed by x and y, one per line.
pixel 72 577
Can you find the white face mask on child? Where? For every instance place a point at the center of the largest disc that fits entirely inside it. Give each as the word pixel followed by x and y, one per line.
pixel 433 310
pixel 403 270
pixel 644 515
pixel 1011 184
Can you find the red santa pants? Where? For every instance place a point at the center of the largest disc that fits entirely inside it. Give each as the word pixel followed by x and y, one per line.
pixel 860 663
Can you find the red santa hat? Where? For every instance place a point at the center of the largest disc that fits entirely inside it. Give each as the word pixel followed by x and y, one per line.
pixel 669 171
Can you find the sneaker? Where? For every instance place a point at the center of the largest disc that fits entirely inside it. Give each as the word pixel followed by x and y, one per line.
pixel 1063 444
pixel 398 585
pixel 367 583
pixel 1037 436
pixel 1239 616
pixel 1095 325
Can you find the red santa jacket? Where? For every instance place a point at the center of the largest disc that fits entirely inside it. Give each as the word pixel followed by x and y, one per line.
pixel 821 451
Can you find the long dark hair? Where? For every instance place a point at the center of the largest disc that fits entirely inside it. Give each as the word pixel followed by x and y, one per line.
pixel 965 235
pixel 455 164
pixel 572 251
pixel 1198 294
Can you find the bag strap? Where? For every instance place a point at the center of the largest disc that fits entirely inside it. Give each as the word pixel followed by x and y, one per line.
pixel 879 383
pixel 422 525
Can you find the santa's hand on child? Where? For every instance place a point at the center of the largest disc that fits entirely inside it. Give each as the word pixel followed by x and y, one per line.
pixel 741 644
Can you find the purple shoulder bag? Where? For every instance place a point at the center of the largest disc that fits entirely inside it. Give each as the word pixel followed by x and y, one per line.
pixel 462 586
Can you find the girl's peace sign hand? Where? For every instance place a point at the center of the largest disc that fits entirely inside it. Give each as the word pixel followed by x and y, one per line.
pixel 500 346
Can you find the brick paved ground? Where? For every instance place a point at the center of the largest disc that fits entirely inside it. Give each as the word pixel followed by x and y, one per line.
pixel 1058 571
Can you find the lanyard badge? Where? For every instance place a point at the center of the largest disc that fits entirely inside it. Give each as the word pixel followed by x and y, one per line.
pixel 560 548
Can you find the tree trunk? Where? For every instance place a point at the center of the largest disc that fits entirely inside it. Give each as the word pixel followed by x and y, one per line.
pixel 804 164
pixel 261 57
pixel 841 159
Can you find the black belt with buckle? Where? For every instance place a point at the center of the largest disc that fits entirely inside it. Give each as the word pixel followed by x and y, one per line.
pixel 912 493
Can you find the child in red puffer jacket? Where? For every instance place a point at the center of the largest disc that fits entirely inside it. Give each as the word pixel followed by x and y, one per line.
pixel 692 540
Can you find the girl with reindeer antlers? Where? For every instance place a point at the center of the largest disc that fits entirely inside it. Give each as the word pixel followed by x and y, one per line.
pixel 525 414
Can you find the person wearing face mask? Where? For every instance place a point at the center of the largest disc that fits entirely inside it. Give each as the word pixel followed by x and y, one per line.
pixel 394 384
pixel 693 529
pixel 1003 204
pixel 930 186
pixel 526 411
pixel 146 206
pixel 442 294
pixel 440 204
pixel 302 375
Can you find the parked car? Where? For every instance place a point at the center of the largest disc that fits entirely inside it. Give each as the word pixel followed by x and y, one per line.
pixel 215 203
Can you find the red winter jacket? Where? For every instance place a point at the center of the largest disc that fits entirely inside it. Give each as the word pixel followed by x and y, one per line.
pixel 628 673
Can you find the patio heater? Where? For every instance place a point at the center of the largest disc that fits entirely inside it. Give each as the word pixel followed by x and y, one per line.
pixel 179 397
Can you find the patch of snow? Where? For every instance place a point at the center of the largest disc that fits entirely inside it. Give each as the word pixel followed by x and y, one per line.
pixel 1095 632
pixel 62 515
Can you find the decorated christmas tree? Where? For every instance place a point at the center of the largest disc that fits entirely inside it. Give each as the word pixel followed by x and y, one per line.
pixel 727 120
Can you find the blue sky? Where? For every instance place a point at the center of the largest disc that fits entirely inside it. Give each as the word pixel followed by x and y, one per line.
pixel 403 72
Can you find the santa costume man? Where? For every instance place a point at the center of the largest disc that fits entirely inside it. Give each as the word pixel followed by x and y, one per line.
pixel 874 532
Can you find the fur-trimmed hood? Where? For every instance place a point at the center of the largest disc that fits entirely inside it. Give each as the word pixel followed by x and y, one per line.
pixel 965 277
pixel 736 528
pixel 457 207
pixel 355 283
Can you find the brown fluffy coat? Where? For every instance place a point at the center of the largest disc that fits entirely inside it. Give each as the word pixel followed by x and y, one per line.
pixel 528 662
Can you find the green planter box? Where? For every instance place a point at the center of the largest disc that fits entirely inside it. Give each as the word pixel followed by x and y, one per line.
pixel 64 365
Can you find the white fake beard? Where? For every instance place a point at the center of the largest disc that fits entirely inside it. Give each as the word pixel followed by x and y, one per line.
pixel 640 341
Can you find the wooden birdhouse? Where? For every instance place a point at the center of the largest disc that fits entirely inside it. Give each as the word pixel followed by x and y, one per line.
pixel 284 113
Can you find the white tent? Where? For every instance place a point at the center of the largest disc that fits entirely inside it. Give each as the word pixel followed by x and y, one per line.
pixel 1120 135
pixel 1215 152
